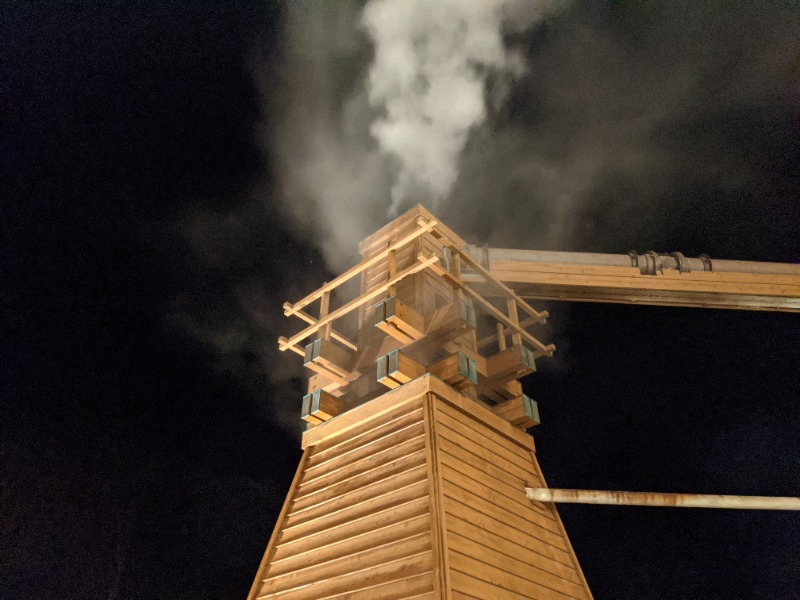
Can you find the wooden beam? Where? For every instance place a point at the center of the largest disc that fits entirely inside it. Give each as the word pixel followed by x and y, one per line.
pixel 396 369
pixel 322 381
pixel 541 349
pixel 541 317
pixel 705 289
pixel 332 358
pixel 662 499
pixel 305 411
pixel 502 332
pixel 522 411
pixel 501 337
pixel 513 363
pixel 422 263
pixel 458 370
pixel 516 338
pixel 497 394
pixel 424 226
pixel 320 406
pixel 399 320
pixel 334 334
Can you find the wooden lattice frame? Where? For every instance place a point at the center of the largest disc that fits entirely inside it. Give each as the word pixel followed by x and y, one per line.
pixel 448 267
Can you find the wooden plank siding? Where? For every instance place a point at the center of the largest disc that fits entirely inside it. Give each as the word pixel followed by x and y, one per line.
pixel 358 523
pixel 417 494
pixel 500 545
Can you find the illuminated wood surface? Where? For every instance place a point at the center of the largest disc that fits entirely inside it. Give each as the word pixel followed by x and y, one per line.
pixel 589 283
pixel 419 493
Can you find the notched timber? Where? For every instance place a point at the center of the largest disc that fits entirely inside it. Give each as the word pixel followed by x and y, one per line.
pixel 510 364
pixel 330 360
pixel 522 411
pixel 457 370
pixel 395 369
pixel 397 319
pixel 497 394
pixel 320 406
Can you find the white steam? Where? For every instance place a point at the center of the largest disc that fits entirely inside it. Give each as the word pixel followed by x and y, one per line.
pixel 429 80
pixel 376 105
pixel 428 77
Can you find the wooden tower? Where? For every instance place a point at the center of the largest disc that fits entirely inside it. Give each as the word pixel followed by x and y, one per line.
pixel 415 458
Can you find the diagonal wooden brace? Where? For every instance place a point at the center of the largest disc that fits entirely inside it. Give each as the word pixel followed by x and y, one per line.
pixel 451 322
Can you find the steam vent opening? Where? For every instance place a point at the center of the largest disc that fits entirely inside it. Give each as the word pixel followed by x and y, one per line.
pixel 415 454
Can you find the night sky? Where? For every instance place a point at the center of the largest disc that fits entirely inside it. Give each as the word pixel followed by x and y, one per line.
pixel 150 234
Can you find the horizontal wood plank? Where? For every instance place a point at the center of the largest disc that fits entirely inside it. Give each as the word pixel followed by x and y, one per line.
pixel 506 582
pixel 456 595
pixel 350 513
pixel 368 451
pixel 297 527
pixel 486 455
pixel 491 450
pixel 316 572
pixel 448 397
pixel 374 430
pixel 495 483
pixel 363 416
pixel 529 522
pixel 378 459
pixel 379 473
pixel 351 529
pixel 344 547
pixel 534 554
pixel 515 567
pixel 354 497
pixel 472 587
pixel 395 571
pixel 419 587
pixel 533 540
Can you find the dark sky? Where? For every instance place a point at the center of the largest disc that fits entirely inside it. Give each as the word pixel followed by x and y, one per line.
pixel 145 445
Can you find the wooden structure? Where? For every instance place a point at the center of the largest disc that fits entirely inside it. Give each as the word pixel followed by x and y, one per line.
pixel 418 479
pixel 418 494
pixel 414 314
pixel 412 480
pixel 650 278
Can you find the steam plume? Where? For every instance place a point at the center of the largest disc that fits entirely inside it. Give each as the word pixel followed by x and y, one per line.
pixel 378 104
pixel 595 129
pixel 428 78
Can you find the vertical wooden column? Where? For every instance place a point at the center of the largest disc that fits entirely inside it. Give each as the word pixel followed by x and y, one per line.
pixel 441 569
pixel 501 336
pixel 324 307
pixel 516 337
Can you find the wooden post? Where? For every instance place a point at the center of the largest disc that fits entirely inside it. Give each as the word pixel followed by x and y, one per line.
pixel 324 307
pixel 501 336
pixel 391 268
pixel 516 336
